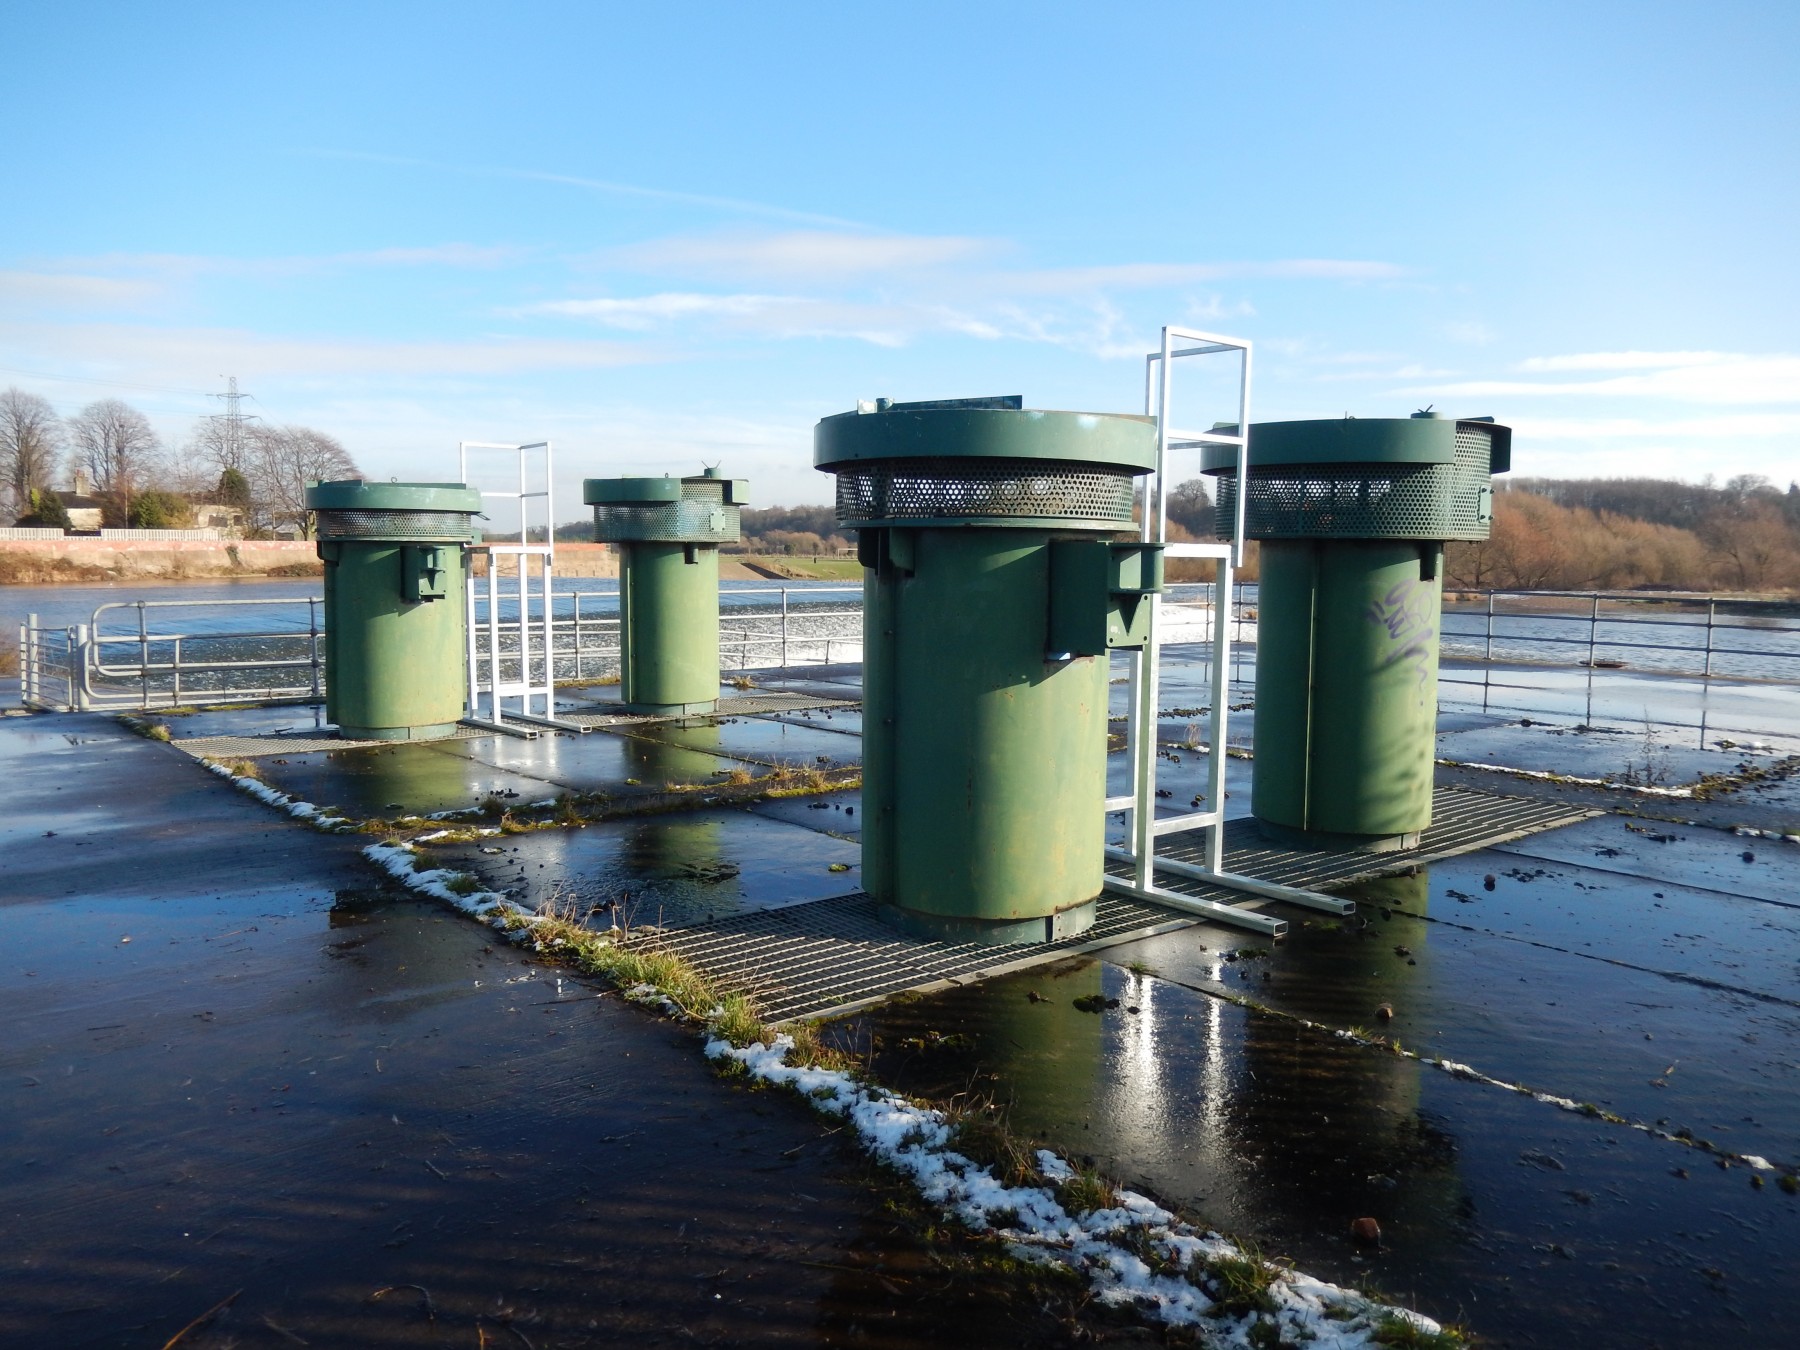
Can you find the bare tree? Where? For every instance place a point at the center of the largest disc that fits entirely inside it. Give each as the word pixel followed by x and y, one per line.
pixel 283 462
pixel 115 443
pixel 30 444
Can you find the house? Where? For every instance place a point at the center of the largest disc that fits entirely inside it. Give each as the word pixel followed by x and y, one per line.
pixel 229 520
pixel 83 508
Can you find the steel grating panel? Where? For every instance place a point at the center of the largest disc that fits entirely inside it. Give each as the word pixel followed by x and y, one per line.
pixel 1461 822
pixel 297 743
pixel 302 743
pixel 831 957
pixel 752 706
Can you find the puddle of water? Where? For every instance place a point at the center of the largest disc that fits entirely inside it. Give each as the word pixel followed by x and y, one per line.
pixel 302 719
pixel 409 778
pixel 668 869
pixel 1710 859
pixel 1534 1226
pixel 452 775
pixel 760 739
pixel 838 813
pixel 1615 755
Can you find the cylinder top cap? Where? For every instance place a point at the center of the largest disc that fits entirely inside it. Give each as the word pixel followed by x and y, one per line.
pixel 658 491
pixel 1325 441
pixel 983 429
pixel 356 494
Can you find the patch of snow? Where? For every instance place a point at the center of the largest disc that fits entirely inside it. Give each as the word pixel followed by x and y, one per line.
pixel 328 821
pixel 1548 777
pixel 1103 1246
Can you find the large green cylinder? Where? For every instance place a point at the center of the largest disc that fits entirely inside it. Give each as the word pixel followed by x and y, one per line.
pixel 396 659
pixel 668 531
pixel 985 638
pixel 1352 515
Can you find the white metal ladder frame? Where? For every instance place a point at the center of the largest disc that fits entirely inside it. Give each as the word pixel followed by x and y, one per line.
pixel 1139 803
pixel 531 625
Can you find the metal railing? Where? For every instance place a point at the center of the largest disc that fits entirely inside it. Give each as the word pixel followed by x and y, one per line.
pixel 124 658
pixel 102 664
pixel 1713 665
pixel 1508 647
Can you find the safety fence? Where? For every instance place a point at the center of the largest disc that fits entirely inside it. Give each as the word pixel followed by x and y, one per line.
pixel 1712 666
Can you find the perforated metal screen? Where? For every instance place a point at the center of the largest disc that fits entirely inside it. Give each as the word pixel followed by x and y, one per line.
pixel 1368 501
pixel 968 488
pixel 406 526
pixel 700 517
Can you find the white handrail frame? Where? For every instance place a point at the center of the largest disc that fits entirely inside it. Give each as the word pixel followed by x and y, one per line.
pixel 1140 803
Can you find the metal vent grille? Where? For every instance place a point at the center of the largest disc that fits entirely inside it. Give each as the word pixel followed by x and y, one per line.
pixel 1368 501
pixel 699 518
pixel 441 526
pixel 962 489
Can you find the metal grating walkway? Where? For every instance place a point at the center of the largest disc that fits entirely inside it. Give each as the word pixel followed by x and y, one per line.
pixel 310 742
pixel 749 706
pixel 830 957
pixel 297 743
pixel 833 956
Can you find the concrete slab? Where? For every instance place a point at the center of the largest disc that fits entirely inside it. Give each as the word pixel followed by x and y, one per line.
pixel 343 1108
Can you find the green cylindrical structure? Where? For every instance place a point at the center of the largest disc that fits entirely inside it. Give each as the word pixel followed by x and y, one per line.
pixel 396 558
pixel 1352 515
pixel 668 531
pixel 991 597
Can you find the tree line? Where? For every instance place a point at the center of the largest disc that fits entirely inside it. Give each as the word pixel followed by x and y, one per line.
pixel 142 482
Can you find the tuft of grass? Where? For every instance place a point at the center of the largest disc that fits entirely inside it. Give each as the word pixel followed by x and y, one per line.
pixel 1405 1334
pixel 742 682
pixel 1086 1192
pixel 980 1131
pixel 737 1022
pixel 463 883
pixel 1242 1284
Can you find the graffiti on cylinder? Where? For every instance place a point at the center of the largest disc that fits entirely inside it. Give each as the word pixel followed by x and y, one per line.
pixel 1410 617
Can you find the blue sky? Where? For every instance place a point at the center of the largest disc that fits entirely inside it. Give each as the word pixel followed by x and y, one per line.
pixel 665 234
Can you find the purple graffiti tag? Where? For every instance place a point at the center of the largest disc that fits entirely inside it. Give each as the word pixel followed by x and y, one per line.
pixel 1406 612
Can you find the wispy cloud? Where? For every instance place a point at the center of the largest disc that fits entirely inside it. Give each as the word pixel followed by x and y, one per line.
pixel 726 205
pixel 165 267
pixel 175 354
pixel 1624 361
pixel 1697 377
pixel 797 254
pixel 72 290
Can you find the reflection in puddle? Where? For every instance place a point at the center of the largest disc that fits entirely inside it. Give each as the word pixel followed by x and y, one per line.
pixel 1532 1225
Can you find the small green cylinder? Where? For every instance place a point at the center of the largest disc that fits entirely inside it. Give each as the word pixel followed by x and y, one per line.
pixel 1346 688
pixel 984 724
pixel 395 622
pixel 1352 515
pixel 669 626
pixel 668 531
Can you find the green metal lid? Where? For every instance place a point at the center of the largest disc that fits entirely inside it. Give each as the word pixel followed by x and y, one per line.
pixel 1358 441
pixel 355 494
pixel 983 429
pixel 657 491
pixel 630 491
